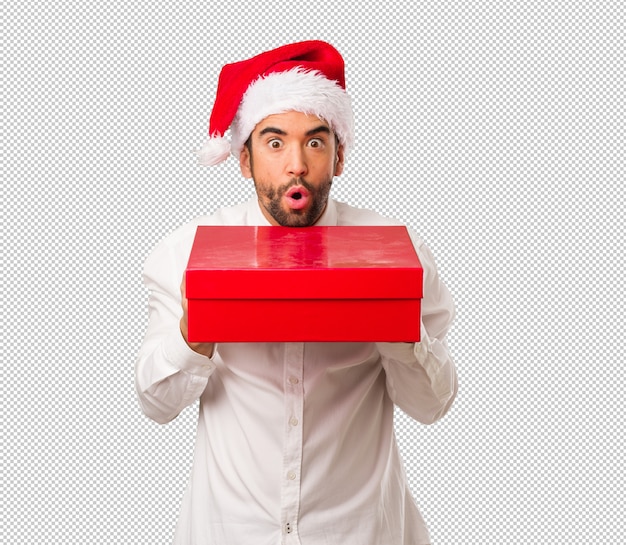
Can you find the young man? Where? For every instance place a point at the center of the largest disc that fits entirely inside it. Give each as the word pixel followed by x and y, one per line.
pixel 295 441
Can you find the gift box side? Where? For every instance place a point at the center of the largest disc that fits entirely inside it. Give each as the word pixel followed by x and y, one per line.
pixel 289 320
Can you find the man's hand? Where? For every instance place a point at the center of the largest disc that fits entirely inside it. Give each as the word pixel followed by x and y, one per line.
pixel 206 349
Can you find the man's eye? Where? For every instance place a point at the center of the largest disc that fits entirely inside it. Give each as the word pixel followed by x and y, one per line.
pixel 316 143
pixel 275 144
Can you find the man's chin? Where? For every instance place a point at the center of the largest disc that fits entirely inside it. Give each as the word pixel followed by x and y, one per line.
pixel 295 219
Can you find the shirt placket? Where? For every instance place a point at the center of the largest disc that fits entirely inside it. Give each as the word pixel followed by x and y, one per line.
pixel 292 443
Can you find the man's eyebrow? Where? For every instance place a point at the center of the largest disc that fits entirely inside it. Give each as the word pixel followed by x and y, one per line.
pixel 321 128
pixel 272 130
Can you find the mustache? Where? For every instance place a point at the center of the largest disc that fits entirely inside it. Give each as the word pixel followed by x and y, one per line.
pixel 294 182
pixel 277 192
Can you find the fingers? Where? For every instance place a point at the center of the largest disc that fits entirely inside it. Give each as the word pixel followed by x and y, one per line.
pixel 183 288
pixel 185 306
pixel 205 349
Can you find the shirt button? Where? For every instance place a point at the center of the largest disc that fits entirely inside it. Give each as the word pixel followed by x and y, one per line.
pixel 293 421
pixel 293 380
pixel 291 475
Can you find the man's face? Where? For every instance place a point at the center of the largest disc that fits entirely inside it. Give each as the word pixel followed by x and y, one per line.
pixel 292 160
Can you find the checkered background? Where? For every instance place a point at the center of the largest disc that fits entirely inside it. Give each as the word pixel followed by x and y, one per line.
pixel 494 129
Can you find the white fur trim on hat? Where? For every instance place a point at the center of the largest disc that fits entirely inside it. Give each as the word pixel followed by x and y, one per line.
pixel 300 90
pixel 214 150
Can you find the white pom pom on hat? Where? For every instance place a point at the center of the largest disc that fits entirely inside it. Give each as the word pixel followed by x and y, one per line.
pixel 214 151
pixel 307 77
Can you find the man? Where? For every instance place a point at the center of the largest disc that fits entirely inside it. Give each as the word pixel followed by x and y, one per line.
pixel 295 441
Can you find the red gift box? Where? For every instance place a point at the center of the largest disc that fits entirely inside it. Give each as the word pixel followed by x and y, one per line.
pixel 263 284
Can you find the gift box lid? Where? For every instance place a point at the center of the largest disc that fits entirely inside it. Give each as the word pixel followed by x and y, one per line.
pixel 271 262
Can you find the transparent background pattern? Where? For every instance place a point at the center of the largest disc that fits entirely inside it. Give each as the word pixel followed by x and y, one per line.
pixel 495 129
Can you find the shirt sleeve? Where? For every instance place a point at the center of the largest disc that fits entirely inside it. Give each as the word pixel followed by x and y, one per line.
pixel 421 377
pixel 169 376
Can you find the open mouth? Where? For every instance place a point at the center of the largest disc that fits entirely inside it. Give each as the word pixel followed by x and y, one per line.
pixel 297 197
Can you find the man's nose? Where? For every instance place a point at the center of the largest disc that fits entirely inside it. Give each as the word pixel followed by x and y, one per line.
pixel 297 165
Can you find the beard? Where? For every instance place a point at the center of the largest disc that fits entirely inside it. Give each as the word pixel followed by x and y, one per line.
pixel 271 198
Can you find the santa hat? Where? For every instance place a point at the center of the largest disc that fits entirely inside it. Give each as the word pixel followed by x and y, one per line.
pixel 306 77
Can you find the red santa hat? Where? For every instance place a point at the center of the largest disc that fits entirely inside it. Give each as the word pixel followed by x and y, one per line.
pixel 306 77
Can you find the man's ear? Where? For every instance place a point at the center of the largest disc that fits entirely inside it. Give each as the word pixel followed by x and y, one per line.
pixel 339 161
pixel 245 162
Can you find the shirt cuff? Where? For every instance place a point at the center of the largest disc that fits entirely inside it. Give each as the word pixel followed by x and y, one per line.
pixel 179 355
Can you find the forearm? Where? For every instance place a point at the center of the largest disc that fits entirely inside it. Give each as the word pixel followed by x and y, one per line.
pixel 421 377
pixel 169 376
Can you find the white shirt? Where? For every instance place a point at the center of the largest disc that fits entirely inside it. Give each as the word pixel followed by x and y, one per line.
pixel 295 441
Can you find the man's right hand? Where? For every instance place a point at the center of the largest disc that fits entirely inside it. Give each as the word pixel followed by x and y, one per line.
pixel 206 349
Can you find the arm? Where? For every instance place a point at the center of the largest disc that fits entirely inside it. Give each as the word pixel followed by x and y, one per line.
pixel 169 374
pixel 421 377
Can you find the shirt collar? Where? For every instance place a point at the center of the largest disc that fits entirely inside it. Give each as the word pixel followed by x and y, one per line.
pixel 256 217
